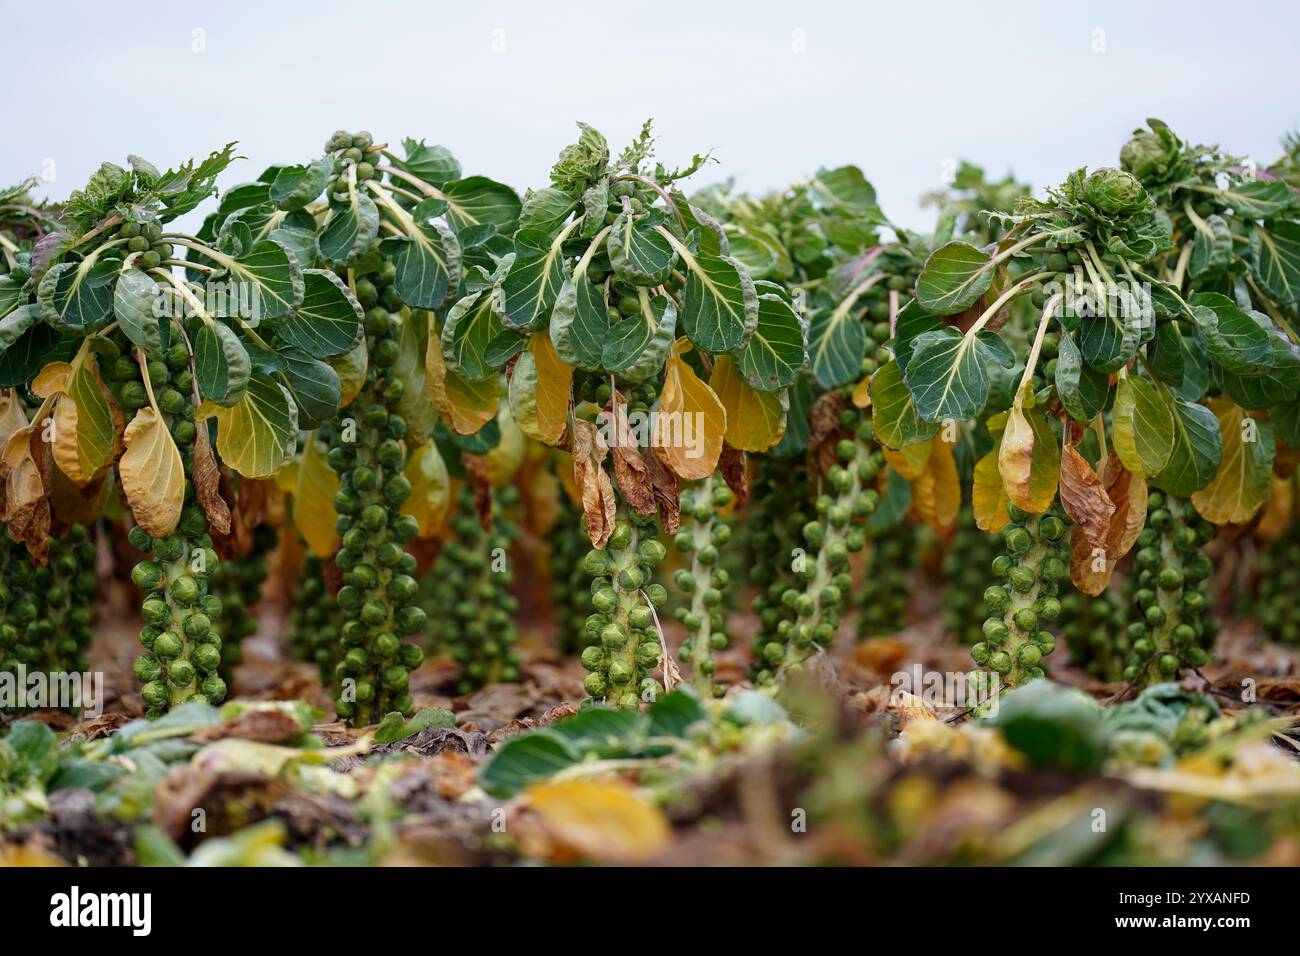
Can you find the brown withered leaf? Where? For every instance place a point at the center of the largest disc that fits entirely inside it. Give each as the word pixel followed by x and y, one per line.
pixel 1129 494
pixel 824 420
pixel 1083 497
pixel 667 491
pixel 598 502
pixel 206 477
pixel 476 467
pixel 732 464
pixel 1091 564
pixel 265 726
pixel 630 469
pixel 27 466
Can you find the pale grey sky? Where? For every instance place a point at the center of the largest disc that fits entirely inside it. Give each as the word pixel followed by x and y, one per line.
pixel 775 89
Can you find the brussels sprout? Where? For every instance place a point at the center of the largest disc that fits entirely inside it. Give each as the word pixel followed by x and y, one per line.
pixel 472 608
pixel 1029 567
pixel 1168 628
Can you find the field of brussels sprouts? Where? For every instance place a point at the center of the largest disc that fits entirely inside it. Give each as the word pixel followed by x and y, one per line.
pixel 395 516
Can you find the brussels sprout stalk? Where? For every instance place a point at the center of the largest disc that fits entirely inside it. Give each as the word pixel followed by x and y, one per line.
pixel 705 581
pixel 833 537
pixel 1171 632
pixel 473 609
pixel 623 623
pixel 1033 567
pixel 180 632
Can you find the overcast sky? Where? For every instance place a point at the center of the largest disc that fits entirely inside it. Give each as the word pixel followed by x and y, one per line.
pixel 775 89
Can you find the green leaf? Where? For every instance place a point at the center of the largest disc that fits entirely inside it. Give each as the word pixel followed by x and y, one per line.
pixel 954 277
pixel 14 325
pixel 314 386
pixel 434 164
pixel 801 396
pixel 1280 383
pixel 1232 337
pixel 1275 260
pixel 38 346
pixel 329 321
pixel 719 305
pixel 845 188
pixel 580 322
pixel 1142 426
pixel 1212 247
pixel 1197 450
pixel 638 253
pixel 78 296
pixel 948 375
pixel 1108 342
pixel 301 243
pixel 470 335
pixel 673 714
pixel 637 345
pixel 601 731
pixel 1258 198
pixel 1286 422
pixel 428 263
pixel 535 279
pixel 837 341
pixel 1053 726
pixel 477 200
pixel 911 322
pixel 134 300
pixel 776 352
pixel 545 209
pixel 275 276
pixel 524 759
pixel 221 363
pixel 893 415
pixel 1083 389
pixel 11 294
pixel 350 231
pixel 296 186
pixel 1165 354
pixel 414 405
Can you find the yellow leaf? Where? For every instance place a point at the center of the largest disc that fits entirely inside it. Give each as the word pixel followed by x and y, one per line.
pixel 862 393
pixel 152 475
pixel 988 495
pixel 430 488
pixel 539 391
pixel 691 423
pixel 1016 455
pixel 910 460
pixel 313 500
pixel 505 458
pixel 1241 486
pixel 256 435
pixel 351 368
pixel 1029 460
pixel 603 821
pixel 936 493
pixel 1279 512
pixel 85 428
pixel 755 420
pixel 51 380
pixel 12 415
pixel 464 405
